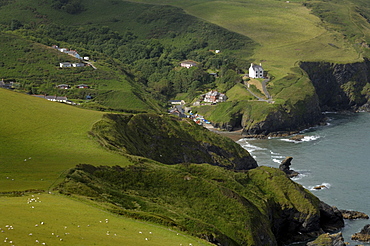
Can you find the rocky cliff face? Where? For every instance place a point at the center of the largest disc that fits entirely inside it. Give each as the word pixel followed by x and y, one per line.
pixel 340 86
pixel 289 118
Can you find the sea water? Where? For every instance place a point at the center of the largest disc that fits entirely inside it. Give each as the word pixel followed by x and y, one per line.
pixel 336 156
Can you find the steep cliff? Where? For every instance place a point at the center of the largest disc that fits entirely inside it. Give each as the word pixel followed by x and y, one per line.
pixel 288 117
pixel 296 107
pixel 325 87
pixel 340 86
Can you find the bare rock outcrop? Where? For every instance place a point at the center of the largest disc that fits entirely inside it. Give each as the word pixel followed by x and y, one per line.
pixel 353 215
pixel 363 235
pixel 285 167
pixel 328 240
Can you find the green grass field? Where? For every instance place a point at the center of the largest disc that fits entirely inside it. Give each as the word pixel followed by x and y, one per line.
pixel 58 220
pixel 41 139
pixel 287 32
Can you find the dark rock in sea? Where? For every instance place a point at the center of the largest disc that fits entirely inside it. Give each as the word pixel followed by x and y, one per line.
pixel 352 215
pixel 331 218
pixel 363 235
pixel 319 187
pixel 285 167
pixel 328 240
pixel 297 137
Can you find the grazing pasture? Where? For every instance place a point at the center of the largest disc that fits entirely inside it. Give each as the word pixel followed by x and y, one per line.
pixel 40 139
pixel 48 219
pixel 287 32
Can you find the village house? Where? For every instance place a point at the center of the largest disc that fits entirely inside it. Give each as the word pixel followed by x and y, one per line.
pixel 65 64
pixel 67 51
pixel 53 98
pixel 188 64
pixel 82 86
pixel 78 64
pixel 177 102
pixel 256 71
pixel 214 97
pixel 63 86
pixel 10 85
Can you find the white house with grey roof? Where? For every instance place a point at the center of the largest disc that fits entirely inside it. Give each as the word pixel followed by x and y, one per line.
pixel 255 71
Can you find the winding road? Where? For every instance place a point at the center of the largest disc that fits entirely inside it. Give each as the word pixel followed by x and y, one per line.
pixel 267 94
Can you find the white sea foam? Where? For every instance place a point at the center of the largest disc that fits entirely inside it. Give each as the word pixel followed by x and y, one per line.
pixel 276 160
pixel 304 139
pixel 302 174
pixel 251 147
pixel 278 156
pixel 310 138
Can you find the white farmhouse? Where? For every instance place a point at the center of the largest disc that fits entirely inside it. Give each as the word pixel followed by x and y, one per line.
pixel 188 64
pixel 65 64
pixel 255 71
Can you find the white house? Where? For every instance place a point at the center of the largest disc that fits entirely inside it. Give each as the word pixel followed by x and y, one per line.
pixel 53 98
pixel 78 64
pixel 255 71
pixel 177 102
pixel 65 64
pixel 188 64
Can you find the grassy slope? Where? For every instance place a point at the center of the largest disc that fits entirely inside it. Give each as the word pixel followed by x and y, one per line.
pixel 77 223
pixel 54 135
pixel 201 199
pixel 273 24
pixel 29 62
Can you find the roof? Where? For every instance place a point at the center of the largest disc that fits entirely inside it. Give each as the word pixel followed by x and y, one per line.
pixel 255 66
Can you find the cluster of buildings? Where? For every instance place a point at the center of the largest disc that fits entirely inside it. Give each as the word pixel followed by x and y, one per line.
pixel 74 54
pixel 71 53
pixel 69 64
pixel 214 96
pixel 66 87
pixel 8 85
pixel 53 98
pixel 56 99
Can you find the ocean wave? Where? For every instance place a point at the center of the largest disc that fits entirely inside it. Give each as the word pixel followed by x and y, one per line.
pixel 250 147
pixel 322 186
pixel 304 139
pixel 278 156
pixel 276 160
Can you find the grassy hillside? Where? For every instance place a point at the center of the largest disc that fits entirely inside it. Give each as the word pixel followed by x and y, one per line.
pixel 286 32
pixel 204 200
pixel 35 68
pixel 41 139
pixel 59 220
